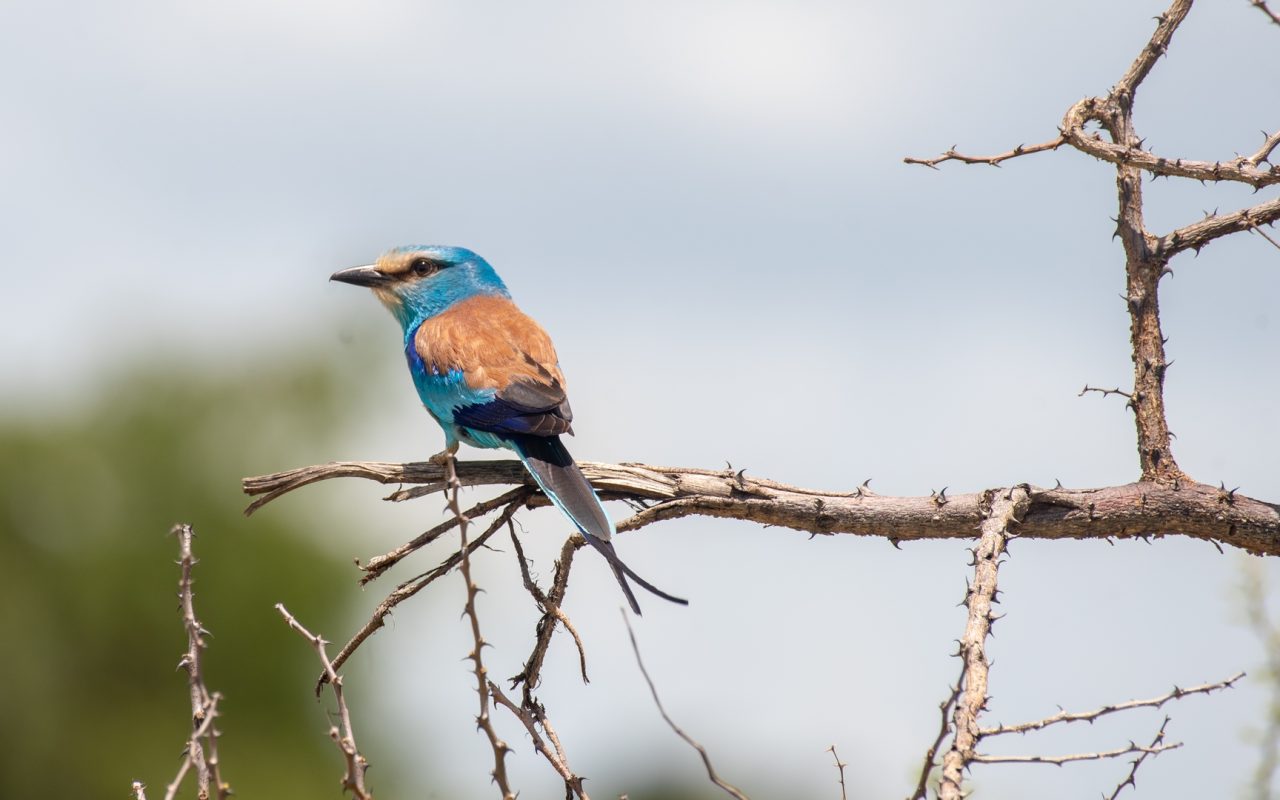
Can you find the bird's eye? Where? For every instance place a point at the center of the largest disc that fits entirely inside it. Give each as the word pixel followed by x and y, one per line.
pixel 422 266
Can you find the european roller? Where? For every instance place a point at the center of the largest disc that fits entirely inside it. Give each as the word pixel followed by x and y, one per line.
pixel 489 376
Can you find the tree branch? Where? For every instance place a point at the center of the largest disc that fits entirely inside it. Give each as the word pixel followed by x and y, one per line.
pixel 1003 512
pixel 1143 509
pixel 343 735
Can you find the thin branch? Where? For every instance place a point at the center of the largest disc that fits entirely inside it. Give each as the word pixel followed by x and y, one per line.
pixel 201 751
pixel 343 735
pixel 926 769
pixel 1143 509
pixel 1271 142
pixel 552 612
pixel 1198 234
pixel 1261 5
pixel 1154 49
pixel 840 765
pixel 1132 747
pixel 1005 511
pixel 557 758
pixel 1132 778
pixel 1177 693
pixel 483 721
pixel 702 751
pixel 994 161
pixel 411 587
pixel 377 565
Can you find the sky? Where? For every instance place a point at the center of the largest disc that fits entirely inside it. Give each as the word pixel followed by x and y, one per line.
pixel 706 206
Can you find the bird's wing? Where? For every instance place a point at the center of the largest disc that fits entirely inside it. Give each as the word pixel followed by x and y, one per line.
pixel 497 348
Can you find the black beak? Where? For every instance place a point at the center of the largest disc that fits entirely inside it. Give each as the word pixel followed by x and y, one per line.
pixel 361 276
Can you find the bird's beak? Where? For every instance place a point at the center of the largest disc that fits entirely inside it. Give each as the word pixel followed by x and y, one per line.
pixel 361 276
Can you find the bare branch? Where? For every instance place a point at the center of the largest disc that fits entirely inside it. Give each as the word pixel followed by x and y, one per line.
pixel 1268 146
pixel 926 769
pixel 483 721
pixel 994 161
pixel 1262 6
pixel 201 751
pixel 1132 747
pixel 840 765
pixel 557 758
pixel 343 735
pixel 411 587
pixel 550 604
pixel 1198 234
pixel 1158 46
pixel 1004 512
pixel 1132 778
pixel 1131 510
pixel 1089 716
pixel 702 751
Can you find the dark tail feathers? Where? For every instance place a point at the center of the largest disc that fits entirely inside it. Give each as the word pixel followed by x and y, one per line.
pixel 564 484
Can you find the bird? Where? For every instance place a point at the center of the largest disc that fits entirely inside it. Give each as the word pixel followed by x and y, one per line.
pixel 489 375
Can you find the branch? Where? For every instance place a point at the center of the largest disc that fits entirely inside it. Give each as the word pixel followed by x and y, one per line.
pixel 552 612
pixel 840 765
pixel 994 161
pixel 1089 716
pixel 483 721
pixel 1132 747
pixel 204 704
pixel 702 751
pixel 1144 509
pixel 1004 511
pixel 1198 234
pixel 1131 778
pixel 556 759
pixel 1261 5
pixel 344 737
pixel 412 586
pixel 926 769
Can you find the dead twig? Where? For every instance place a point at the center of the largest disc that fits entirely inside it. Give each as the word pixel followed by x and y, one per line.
pixel 994 161
pixel 343 735
pixel 1132 778
pixel 926 769
pixel 1177 693
pixel 840 765
pixel 483 720
pixel 702 751
pixel 202 746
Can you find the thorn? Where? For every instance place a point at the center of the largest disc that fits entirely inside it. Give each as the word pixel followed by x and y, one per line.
pixel 939 498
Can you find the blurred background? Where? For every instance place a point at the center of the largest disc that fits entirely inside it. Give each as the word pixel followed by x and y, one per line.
pixel 705 205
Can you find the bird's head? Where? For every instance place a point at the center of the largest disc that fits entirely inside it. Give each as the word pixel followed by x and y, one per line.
pixel 419 281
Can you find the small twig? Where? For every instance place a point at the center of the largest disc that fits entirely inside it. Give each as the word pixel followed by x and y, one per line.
pixel 1132 778
pixel 556 759
pixel 1261 5
pixel 201 751
pixel 411 587
pixel 1089 716
pixel 840 765
pixel 1104 392
pixel 139 790
pixel 1272 142
pixel 483 720
pixel 377 565
pixel 344 736
pixel 550 604
pixel 702 751
pixel 1132 747
pixel 1020 150
pixel 926 769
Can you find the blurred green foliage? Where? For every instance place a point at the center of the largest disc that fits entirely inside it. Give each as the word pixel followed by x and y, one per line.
pixel 89 693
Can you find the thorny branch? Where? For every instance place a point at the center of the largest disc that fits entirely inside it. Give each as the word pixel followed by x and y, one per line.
pixel 204 704
pixel 1262 6
pixel 926 769
pixel 483 720
pixel 1132 778
pixel 702 751
pixel 840 765
pixel 343 735
pixel 1004 512
pixel 1144 509
pixel 1089 716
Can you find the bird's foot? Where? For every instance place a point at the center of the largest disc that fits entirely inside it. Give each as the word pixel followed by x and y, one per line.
pixel 446 458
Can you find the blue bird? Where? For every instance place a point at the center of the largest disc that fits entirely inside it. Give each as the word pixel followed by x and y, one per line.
pixel 489 376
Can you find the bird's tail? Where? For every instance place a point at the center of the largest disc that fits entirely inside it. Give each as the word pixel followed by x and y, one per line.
pixel 564 484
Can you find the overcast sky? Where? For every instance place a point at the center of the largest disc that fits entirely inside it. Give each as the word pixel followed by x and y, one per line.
pixel 705 205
